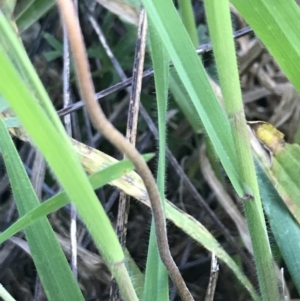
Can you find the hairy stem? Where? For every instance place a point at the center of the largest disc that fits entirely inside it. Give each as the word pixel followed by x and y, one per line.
pixel 118 140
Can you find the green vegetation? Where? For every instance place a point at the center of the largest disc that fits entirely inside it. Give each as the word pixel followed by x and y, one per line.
pixel 258 167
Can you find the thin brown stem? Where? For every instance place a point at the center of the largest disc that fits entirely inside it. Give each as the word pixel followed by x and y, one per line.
pixel 132 121
pixel 117 139
pixel 214 273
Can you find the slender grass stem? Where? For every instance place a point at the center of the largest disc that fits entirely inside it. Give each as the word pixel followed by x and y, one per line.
pixel 220 28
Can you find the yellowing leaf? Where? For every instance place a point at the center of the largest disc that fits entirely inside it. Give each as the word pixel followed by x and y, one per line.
pixel 285 168
pixel 268 135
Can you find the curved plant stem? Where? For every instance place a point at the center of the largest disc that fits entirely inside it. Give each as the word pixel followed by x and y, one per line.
pixel 117 139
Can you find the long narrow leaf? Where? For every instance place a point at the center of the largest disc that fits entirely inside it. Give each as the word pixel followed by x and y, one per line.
pixel 48 257
pixel 220 28
pixel 190 69
pixel 156 276
pixel 284 228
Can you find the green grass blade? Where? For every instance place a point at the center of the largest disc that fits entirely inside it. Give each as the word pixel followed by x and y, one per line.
pixel 220 28
pixel 32 13
pixel 49 259
pixel 193 76
pixel 136 276
pixel 160 61
pixel 188 19
pixel 287 236
pixel 286 170
pixel 156 276
pixel 184 102
pixel 47 133
pixel 276 24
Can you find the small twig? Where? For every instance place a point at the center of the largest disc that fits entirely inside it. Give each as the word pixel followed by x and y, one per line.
pixel 117 139
pixel 132 121
pixel 126 83
pixel 214 273
pixel 137 79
